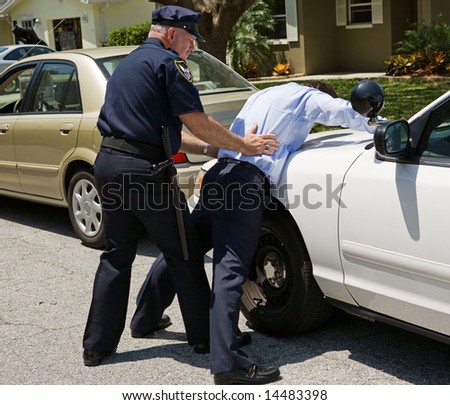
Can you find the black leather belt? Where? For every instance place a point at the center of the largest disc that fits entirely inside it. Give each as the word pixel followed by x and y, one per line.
pixel 136 148
pixel 247 165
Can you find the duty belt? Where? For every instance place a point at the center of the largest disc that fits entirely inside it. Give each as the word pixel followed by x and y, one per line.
pixel 136 148
pixel 247 165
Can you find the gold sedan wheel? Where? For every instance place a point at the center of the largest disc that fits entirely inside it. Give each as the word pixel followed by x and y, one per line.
pixel 85 209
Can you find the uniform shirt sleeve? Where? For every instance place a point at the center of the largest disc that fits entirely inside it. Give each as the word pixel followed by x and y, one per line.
pixel 184 97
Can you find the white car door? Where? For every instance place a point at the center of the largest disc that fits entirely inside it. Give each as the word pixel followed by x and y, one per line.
pixel 394 234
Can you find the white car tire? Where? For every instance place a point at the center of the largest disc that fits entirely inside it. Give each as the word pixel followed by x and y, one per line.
pixel 281 297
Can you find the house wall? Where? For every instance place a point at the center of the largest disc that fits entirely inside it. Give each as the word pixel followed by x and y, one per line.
pixel 365 49
pixel 119 15
pixel 321 53
pixel 5 32
pixel 324 47
pixel 440 11
pixel 293 52
pixel 403 15
pixel 432 11
pixel 49 10
pixel 97 17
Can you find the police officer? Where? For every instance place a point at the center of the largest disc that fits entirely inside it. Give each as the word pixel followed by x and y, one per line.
pixel 235 193
pixel 151 89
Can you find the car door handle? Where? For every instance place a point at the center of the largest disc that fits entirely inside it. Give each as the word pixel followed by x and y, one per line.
pixel 65 128
pixel 4 128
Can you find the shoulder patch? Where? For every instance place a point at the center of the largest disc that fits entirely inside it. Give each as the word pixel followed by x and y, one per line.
pixel 184 70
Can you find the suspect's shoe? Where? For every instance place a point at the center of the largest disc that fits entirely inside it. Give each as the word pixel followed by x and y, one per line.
pixel 91 358
pixel 162 324
pixel 252 375
pixel 245 339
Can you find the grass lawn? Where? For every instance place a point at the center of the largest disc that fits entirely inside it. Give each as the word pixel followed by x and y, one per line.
pixel 403 97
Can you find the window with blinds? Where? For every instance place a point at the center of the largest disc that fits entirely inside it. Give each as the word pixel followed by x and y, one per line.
pixel 362 13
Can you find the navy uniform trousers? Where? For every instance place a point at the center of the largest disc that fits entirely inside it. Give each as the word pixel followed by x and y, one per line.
pixel 228 218
pixel 131 198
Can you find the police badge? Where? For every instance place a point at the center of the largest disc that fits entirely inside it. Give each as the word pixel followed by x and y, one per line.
pixel 184 70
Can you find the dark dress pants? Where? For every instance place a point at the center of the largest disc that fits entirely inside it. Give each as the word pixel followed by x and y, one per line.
pixel 228 218
pixel 131 198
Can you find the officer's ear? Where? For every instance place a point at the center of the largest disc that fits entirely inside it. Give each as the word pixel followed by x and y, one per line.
pixel 170 35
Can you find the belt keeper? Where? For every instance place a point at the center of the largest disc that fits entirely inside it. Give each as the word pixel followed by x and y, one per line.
pixel 205 149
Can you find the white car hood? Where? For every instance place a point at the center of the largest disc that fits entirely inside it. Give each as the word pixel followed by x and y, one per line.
pixel 323 154
pixel 330 152
pixel 338 138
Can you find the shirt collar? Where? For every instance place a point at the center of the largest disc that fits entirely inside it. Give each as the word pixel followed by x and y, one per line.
pixel 157 42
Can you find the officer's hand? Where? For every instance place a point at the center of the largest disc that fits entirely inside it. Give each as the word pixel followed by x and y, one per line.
pixel 265 144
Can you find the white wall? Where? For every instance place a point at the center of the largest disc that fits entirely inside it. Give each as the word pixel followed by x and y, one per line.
pixel 97 17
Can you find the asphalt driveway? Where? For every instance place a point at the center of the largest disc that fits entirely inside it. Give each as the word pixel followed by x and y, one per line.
pixel 46 281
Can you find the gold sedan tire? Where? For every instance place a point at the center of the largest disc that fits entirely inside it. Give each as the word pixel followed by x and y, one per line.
pixel 85 209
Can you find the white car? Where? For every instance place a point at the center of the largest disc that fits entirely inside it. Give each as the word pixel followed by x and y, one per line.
pixel 12 53
pixel 362 223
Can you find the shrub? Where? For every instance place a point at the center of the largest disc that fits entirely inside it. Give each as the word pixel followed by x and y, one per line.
pixel 426 39
pixel 436 63
pixel 247 47
pixel 132 35
pixel 282 69
pixel 424 51
pixel 249 69
pixel 400 65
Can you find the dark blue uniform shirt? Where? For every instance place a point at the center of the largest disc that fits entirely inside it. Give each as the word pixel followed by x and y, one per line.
pixel 150 88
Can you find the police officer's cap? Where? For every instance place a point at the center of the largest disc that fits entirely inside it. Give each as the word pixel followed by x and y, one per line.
pixel 176 16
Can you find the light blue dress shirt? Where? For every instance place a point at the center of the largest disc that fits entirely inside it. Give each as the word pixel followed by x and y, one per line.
pixel 289 111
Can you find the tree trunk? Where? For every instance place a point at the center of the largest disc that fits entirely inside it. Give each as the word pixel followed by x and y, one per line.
pixel 218 19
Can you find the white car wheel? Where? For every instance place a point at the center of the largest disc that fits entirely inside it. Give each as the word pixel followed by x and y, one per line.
pixel 281 297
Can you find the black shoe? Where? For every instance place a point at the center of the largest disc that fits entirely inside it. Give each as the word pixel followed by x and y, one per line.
pixel 92 358
pixel 203 348
pixel 163 324
pixel 252 375
pixel 245 339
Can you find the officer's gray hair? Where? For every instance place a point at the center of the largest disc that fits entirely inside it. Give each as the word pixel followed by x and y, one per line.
pixel 161 29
